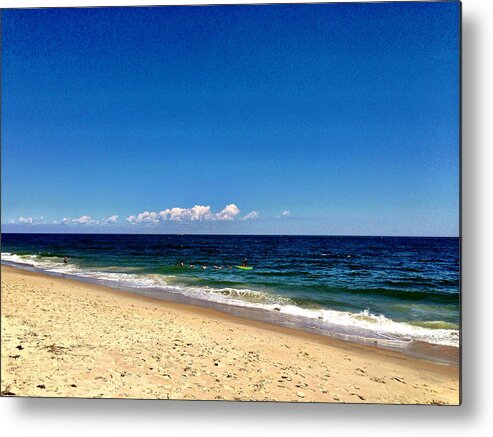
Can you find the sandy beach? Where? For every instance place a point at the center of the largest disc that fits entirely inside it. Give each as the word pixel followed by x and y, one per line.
pixel 62 337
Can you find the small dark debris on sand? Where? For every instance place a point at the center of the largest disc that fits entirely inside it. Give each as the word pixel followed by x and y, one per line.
pixel 54 349
pixel 7 392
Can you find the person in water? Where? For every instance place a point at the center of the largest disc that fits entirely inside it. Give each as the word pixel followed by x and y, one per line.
pixel 65 260
pixel 244 263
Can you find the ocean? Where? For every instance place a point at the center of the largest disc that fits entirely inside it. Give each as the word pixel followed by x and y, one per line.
pixel 391 291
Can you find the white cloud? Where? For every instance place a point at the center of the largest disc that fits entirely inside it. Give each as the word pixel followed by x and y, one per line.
pixel 110 220
pixel 83 220
pixel 144 217
pixel 29 220
pixel 285 214
pixel 24 220
pixel 228 213
pixel 196 213
pixel 252 215
pixel 174 214
pixel 193 214
pixel 199 212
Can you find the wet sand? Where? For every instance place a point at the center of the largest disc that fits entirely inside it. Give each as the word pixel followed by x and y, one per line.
pixel 61 337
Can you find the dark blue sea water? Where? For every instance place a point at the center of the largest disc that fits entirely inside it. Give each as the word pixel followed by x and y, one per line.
pixel 404 288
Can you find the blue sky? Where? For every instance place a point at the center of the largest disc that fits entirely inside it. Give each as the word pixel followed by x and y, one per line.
pixel 304 119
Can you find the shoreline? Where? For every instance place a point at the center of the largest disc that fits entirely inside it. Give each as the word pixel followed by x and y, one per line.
pixel 53 295
pixel 439 354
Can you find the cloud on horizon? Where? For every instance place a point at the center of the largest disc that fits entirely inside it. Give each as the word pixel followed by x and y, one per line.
pixel 194 214
pixel 197 213
pixel 110 220
pixel 228 213
pixel 28 221
pixel 252 215
pixel 82 220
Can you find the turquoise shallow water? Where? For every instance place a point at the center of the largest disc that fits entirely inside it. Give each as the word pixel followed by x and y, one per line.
pixel 396 287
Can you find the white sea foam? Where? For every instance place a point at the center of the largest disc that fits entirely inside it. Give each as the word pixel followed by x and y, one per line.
pixel 383 326
pixel 364 321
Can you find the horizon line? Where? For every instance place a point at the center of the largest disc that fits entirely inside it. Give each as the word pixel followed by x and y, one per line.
pixel 233 235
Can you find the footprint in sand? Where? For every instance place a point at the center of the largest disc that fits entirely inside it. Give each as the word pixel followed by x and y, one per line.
pixel 379 380
pixel 401 380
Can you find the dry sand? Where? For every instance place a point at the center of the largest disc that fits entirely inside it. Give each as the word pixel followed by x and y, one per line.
pixel 66 338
